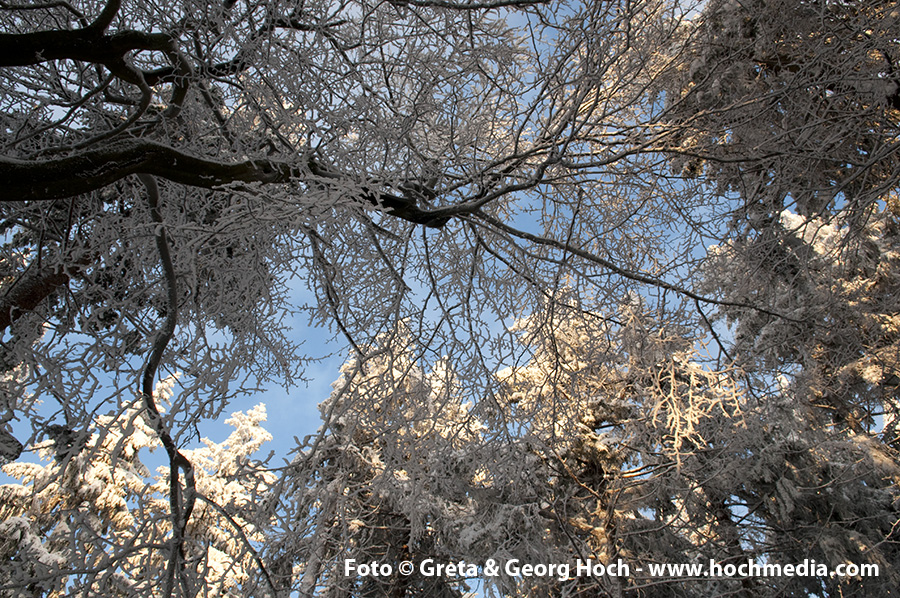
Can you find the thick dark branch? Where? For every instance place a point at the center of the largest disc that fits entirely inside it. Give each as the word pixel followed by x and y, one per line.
pixel 106 16
pixel 87 45
pixel 180 509
pixel 24 49
pixel 32 287
pixel 28 292
pixel 168 328
pixel 96 168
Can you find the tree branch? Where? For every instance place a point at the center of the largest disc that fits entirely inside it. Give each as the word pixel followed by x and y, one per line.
pixel 28 292
pixel 106 16
pixel 246 542
pixel 94 169
pixel 623 272
pixel 180 509
pixel 26 49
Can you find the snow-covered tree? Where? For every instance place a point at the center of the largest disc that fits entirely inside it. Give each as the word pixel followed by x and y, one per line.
pixel 789 104
pixel 405 469
pixel 791 109
pixel 167 170
pixel 615 439
pixel 91 518
pixel 654 456
pixel 626 179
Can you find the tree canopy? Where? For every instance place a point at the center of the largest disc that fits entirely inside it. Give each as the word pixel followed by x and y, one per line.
pixel 617 280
